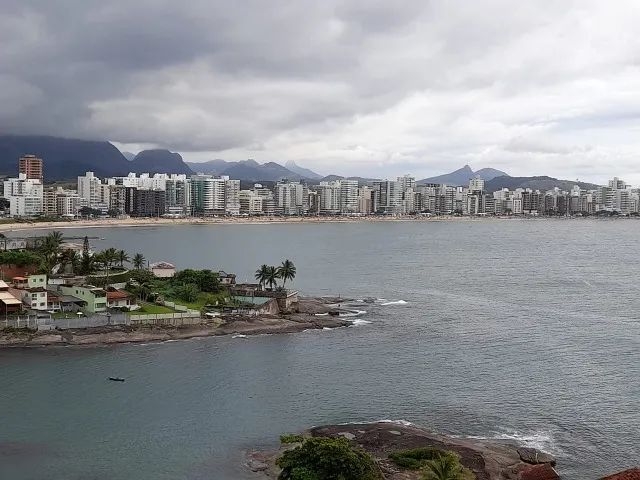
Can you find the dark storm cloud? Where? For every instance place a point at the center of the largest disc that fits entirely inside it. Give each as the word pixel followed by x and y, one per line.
pixel 410 83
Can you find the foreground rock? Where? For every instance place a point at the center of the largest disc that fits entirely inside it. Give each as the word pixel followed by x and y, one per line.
pixel 631 474
pixel 488 460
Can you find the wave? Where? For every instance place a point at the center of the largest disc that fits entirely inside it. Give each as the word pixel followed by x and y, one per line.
pixel 321 314
pixel 239 335
pixel 397 302
pixel 360 321
pixel 542 441
pixel 353 313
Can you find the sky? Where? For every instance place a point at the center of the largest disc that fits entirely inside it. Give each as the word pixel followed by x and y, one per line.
pixel 371 88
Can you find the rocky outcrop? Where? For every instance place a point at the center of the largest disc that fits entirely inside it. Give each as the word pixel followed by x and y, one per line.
pixel 631 474
pixel 488 460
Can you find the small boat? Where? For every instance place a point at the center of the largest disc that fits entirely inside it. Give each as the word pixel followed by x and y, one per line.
pixel 116 379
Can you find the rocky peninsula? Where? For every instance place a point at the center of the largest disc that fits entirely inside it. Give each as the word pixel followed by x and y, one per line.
pixel 313 313
pixel 488 460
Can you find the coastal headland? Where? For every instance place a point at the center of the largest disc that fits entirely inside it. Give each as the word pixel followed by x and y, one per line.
pixel 313 313
pixel 487 460
pixel 385 441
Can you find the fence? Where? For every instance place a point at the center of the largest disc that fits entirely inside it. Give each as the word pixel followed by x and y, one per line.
pixel 101 320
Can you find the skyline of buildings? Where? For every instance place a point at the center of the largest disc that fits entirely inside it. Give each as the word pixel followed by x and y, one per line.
pixel 170 194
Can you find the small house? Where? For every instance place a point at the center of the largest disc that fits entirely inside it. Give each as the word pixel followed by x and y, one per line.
pixel 162 269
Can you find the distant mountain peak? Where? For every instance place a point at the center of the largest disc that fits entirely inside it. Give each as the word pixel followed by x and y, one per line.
pixel 304 172
pixel 159 160
pixel 462 176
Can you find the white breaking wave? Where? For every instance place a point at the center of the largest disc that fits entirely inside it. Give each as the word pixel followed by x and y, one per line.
pixel 353 313
pixel 406 423
pixel 360 321
pixel 239 335
pixel 540 440
pixel 321 314
pixel 397 302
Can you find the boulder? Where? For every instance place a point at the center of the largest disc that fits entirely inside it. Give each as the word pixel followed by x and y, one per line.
pixel 631 474
pixel 542 471
pixel 535 456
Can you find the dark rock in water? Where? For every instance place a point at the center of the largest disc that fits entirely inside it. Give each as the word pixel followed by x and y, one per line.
pixel 535 456
pixel 539 472
pixel 631 474
pixel 369 300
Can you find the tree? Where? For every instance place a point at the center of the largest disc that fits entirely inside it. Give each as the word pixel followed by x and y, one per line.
pixel 446 467
pixel 261 275
pixel 138 261
pixel 122 257
pixel 323 458
pixel 188 292
pixel 287 271
pixel 272 276
pixel 51 248
pixel 107 258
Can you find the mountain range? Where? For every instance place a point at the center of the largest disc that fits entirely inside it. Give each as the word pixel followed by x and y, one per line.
pixel 463 175
pixel 65 159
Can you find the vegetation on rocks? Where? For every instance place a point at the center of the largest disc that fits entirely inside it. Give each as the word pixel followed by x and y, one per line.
pixel 321 458
pixel 447 467
pixel 437 464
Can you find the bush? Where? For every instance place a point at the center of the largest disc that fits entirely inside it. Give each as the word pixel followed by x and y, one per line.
pixel 415 458
pixel 327 458
pixel 20 258
pixel 434 462
pixel 291 439
pixel 206 280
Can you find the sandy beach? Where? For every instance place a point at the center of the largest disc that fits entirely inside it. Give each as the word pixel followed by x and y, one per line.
pixel 150 222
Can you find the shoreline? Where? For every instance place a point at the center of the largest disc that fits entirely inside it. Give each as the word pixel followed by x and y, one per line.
pixel 241 326
pixel 150 222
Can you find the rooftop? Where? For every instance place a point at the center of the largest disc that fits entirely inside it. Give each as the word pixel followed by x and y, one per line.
pixel 162 265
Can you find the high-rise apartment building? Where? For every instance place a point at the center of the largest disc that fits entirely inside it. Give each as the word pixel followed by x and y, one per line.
pixel 31 166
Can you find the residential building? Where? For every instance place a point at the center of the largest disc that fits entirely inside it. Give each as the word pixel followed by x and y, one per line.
pixel 208 194
pixel 95 298
pixel 232 197
pixel 348 196
pixel 31 166
pixel 149 203
pixel 250 202
pixel 289 197
pixel 25 196
pixel 162 269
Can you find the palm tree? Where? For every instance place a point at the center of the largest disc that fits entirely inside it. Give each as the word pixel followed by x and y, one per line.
pixel 272 276
pixel 287 271
pixel 445 467
pixel 122 257
pixel 138 261
pixel 261 275
pixel 107 258
pixel 51 249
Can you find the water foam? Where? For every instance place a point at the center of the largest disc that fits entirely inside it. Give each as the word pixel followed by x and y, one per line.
pixel 360 321
pixel 542 441
pixel 353 313
pixel 397 302
pixel 239 335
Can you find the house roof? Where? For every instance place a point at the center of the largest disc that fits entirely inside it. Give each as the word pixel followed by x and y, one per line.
pixel 19 279
pixel 166 265
pixel 117 295
pixel 3 285
pixel 8 299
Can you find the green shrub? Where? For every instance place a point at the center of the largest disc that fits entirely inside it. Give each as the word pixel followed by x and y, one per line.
pixel 20 258
pixel 327 458
pixel 289 438
pixel 415 458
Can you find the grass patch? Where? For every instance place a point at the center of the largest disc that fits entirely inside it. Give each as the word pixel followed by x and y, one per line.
pixel 290 438
pixel 151 309
pixel 416 458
